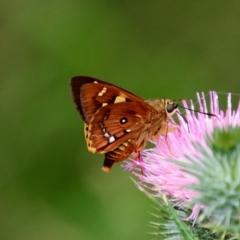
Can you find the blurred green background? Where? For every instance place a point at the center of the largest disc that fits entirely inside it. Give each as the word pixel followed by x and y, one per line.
pixel 51 186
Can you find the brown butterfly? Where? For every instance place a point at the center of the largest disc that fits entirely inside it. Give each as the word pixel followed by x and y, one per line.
pixel 117 122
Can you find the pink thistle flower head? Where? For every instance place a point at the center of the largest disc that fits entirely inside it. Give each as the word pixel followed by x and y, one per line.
pixel 202 170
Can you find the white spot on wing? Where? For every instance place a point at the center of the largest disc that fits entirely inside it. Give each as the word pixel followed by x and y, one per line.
pixel 128 130
pixel 102 91
pixel 106 135
pixel 111 139
pixel 123 120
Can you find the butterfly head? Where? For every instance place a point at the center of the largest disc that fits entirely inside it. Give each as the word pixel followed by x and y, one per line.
pixel 170 107
pixel 164 106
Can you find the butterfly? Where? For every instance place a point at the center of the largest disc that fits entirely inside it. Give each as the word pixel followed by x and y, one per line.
pixel 118 123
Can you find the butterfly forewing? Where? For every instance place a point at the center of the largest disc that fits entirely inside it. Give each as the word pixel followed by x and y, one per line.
pixel 90 94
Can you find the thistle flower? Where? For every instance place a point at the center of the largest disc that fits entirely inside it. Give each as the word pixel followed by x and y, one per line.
pixel 201 170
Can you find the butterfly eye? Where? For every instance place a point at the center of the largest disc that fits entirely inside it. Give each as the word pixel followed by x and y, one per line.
pixel 123 120
pixel 170 107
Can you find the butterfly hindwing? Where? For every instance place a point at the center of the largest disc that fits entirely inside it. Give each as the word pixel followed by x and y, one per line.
pixel 118 154
pixel 110 127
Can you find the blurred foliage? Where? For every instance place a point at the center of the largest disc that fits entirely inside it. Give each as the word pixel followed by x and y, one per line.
pixel 51 186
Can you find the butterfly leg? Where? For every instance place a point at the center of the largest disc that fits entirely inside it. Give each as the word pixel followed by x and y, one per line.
pixel 171 129
pixel 165 129
pixel 168 130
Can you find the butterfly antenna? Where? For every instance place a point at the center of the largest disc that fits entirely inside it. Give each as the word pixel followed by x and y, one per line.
pixel 226 93
pixel 205 113
pixel 201 97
